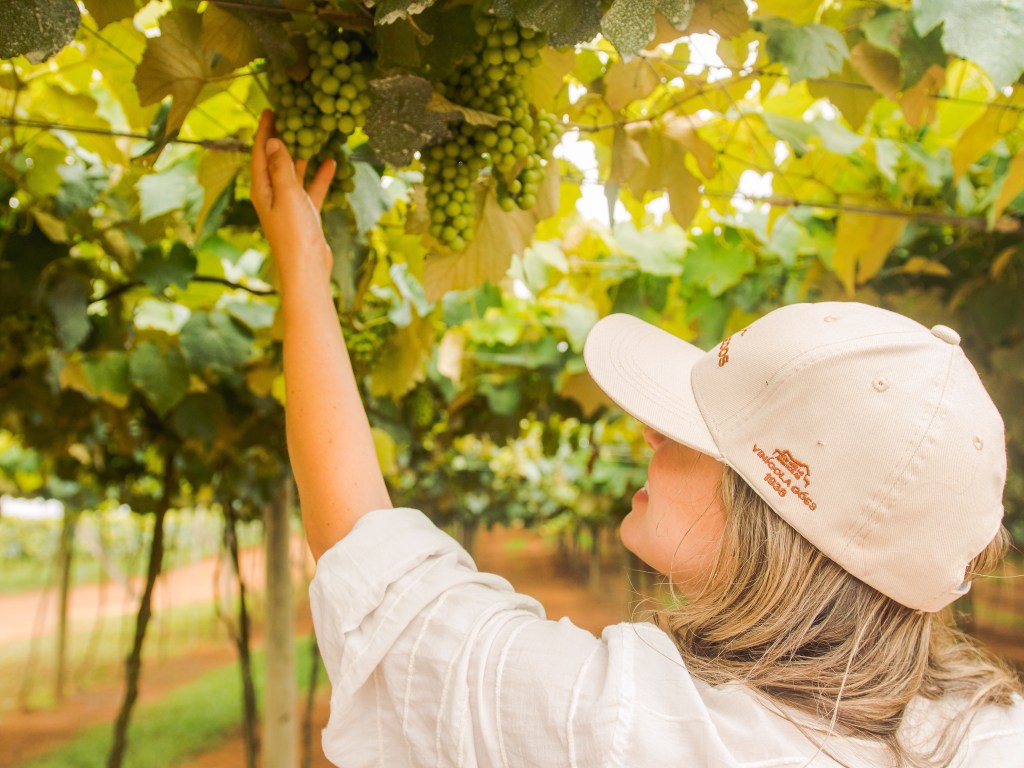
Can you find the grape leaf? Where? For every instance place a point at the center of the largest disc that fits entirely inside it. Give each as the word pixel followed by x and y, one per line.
pixel 726 18
pixel 863 242
pixel 625 82
pixel 369 201
pixel 159 271
pixel 108 11
pixel 547 15
pixel 215 173
pixel 199 417
pixel 228 35
pixel 403 363
pixel 629 26
pixel 440 104
pixel 398 122
pixel 174 64
pixel 389 11
pixel 987 32
pixel 678 12
pixel 807 51
pixel 586 28
pixel 499 235
pixel 161 376
pixel 170 190
pixel 67 302
pixel 879 67
pixel 1011 185
pixel 894 31
pixel 108 377
pixel 997 120
pixel 37 29
pixel 214 341
pixel 717 263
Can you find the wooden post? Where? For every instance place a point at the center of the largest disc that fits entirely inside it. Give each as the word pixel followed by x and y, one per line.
pixel 66 558
pixel 280 735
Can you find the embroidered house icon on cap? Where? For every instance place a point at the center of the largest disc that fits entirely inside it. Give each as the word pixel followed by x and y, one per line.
pixel 797 469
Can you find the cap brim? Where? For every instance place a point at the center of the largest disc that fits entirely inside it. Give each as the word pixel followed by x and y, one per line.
pixel 646 372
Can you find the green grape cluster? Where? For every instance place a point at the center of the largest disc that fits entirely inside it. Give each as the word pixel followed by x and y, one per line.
pixel 421 408
pixel 24 340
pixel 316 115
pixel 366 339
pixel 492 81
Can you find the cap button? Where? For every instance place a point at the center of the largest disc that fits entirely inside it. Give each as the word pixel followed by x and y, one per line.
pixel 948 335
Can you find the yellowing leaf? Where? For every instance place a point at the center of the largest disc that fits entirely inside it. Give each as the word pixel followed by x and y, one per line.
pixel 387 451
pixel 920 265
pixel 546 80
pixel 996 121
pixel 1013 185
pixel 439 103
pixel 174 64
pixel 626 83
pixel 878 67
pixel 403 364
pixel 853 102
pixel 918 103
pixel 215 172
pixel 228 35
pixel 450 353
pixel 863 241
pixel 581 388
pixel 1002 261
pixel 727 18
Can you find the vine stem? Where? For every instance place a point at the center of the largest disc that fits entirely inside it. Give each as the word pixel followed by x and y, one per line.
pixel 125 287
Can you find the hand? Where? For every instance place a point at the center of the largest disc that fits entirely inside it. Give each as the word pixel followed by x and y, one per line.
pixel 289 213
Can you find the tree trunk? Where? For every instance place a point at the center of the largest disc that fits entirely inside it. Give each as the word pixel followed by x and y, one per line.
pixel 134 663
pixel 307 722
pixel 280 740
pixel 66 557
pixel 242 642
pixel 594 565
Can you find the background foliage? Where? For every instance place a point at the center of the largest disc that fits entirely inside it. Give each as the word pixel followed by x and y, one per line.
pixel 841 150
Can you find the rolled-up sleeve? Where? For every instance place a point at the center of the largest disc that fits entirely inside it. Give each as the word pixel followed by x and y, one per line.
pixel 433 663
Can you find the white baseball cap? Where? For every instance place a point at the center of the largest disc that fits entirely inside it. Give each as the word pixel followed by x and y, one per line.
pixel 867 432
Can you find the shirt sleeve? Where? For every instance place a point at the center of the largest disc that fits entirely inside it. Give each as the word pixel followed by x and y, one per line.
pixel 433 663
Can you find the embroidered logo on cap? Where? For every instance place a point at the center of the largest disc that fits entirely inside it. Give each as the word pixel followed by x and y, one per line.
pixel 787 474
pixel 723 348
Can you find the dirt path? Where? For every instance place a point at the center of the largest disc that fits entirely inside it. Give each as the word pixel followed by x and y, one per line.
pixel 34 614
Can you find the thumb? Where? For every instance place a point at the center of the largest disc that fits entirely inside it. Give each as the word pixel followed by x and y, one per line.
pixel 282 171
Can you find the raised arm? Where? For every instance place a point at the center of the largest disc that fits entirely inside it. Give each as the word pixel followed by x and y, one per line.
pixel 329 440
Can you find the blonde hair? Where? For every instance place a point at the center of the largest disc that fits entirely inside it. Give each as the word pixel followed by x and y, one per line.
pixel 780 617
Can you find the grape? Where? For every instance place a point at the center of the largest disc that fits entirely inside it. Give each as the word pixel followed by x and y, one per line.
pixel 317 115
pixel 516 149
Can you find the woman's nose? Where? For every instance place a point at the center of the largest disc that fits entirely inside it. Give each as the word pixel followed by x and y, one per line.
pixel 653 437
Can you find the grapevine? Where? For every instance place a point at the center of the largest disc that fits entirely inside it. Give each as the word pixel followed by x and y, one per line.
pixel 515 149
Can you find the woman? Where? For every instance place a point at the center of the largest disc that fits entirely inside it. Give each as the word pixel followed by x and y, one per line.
pixel 821 485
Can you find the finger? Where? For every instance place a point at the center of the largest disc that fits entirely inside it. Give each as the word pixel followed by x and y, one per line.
pixel 321 183
pixel 260 177
pixel 300 169
pixel 282 170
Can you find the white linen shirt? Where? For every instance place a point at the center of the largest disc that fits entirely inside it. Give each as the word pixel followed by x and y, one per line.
pixel 434 664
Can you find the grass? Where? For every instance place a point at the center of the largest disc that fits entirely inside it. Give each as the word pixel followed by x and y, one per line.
pixel 190 720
